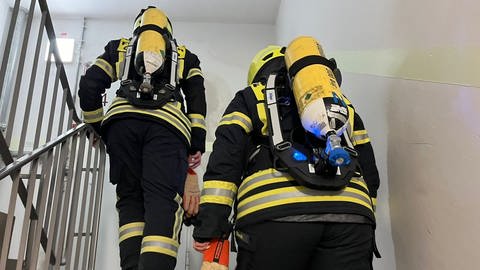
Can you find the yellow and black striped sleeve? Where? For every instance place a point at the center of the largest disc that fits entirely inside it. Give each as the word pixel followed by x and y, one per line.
pixel 192 84
pixel 97 78
pixel 363 146
pixel 224 170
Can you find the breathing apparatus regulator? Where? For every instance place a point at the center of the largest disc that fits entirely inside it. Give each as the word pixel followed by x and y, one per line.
pixel 152 39
pixel 318 160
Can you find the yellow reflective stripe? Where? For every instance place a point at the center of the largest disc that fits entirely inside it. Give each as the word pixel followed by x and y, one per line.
pixel 374 202
pixel 158 249
pixel 118 101
pixel 237 118
pixel 174 121
pixel 360 132
pixel 122 48
pixel 136 233
pixel 257 89
pixel 299 191
pixel 196 116
pixel 358 192
pixel 159 238
pixel 175 110
pixel 216 199
pixel 159 244
pixel 197 120
pixel 178 105
pixel 262 114
pixel 195 124
pixel 360 182
pixel 219 192
pixel 360 137
pixel 93 116
pixel 261 178
pixel 105 66
pixel 181 67
pixel 293 195
pixel 120 64
pixel 177 226
pixel 131 225
pixel 306 199
pixel 220 184
pixel 182 50
pixel 130 230
pixel 351 117
pixel 181 61
pixel 194 72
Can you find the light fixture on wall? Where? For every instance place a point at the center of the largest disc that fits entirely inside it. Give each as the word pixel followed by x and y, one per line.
pixel 65 49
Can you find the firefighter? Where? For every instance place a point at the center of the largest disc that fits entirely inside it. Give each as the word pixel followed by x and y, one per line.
pixel 290 212
pixel 152 135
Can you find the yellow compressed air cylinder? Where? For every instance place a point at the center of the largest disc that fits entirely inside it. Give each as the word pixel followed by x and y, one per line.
pixel 151 45
pixel 311 85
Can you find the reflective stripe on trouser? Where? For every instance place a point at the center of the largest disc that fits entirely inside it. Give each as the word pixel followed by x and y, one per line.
pixel 148 162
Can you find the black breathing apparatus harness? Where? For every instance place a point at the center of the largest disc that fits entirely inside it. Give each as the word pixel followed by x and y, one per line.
pixel 161 93
pixel 304 161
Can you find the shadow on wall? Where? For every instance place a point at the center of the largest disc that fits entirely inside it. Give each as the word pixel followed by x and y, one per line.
pixel 433 149
pixel 218 95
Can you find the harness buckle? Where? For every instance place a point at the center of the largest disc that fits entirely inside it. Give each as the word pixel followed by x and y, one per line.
pixel 285 145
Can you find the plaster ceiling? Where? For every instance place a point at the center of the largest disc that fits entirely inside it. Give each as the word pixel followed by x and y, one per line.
pixel 220 11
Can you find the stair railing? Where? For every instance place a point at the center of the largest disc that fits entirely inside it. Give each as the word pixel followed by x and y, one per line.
pixel 53 211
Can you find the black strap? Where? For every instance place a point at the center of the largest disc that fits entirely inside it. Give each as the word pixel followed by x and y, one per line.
pixel 310 60
pixel 152 27
pixel 143 11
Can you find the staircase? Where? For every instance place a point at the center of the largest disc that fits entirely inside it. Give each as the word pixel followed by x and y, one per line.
pixel 51 172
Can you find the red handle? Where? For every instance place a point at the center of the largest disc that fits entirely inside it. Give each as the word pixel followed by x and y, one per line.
pixel 218 252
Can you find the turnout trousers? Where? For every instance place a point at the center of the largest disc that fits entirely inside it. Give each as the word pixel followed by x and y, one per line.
pixel 276 245
pixel 148 163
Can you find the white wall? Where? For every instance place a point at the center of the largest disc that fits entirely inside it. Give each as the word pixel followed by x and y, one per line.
pixel 225 51
pixel 434 150
pixel 410 68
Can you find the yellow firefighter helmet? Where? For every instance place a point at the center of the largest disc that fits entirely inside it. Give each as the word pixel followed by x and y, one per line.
pixel 265 62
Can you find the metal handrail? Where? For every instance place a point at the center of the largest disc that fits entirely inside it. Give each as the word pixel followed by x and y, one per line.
pixel 35 154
